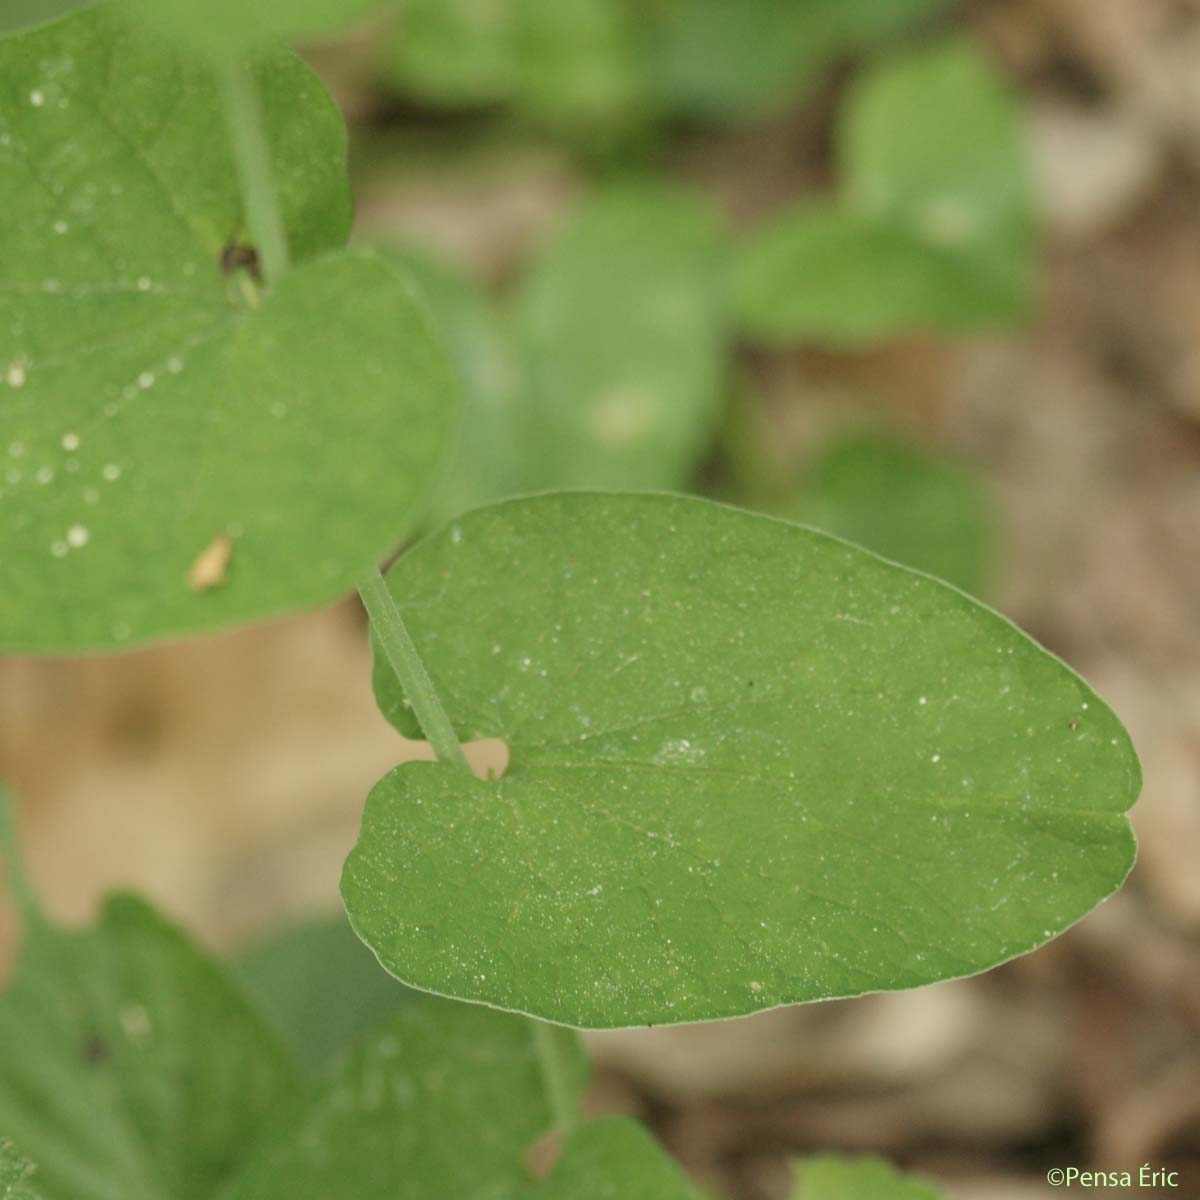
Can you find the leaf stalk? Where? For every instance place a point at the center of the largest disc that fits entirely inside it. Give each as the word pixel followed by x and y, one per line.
pixel 252 156
pixel 398 647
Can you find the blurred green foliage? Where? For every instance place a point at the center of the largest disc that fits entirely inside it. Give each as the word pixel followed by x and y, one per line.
pixel 932 230
pixel 587 66
pixel 830 1177
pixel 903 503
pixel 18 15
pixel 738 59
pixel 319 986
pixel 622 336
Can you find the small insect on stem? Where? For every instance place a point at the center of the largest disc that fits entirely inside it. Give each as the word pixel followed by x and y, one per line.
pixel 210 568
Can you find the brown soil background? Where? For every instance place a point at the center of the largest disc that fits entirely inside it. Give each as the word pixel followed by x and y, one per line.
pixel 225 777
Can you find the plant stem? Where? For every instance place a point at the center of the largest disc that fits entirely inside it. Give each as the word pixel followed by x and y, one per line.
pixel 410 670
pixel 252 154
pixel 554 1076
pixel 19 887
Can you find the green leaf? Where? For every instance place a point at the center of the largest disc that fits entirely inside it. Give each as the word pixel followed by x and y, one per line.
pixel 721 60
pixel 933 230
pixel 568 64
pixel 218 26
pixel 15 1174
pixel 901 503
pixel 19 15
pixel 828 1177
pixel 130 1067
pixel 320 987
pixel 621 328
pixel 614 1159
pixel 445 1101
pixel 180 449
pixel 749 765
pixel 494 459
pixel 456 52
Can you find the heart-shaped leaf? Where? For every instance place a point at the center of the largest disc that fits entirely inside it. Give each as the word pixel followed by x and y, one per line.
pixel 128 1064
pixel 933 229
pixel 621 327
pixel 828 1177
pixel 179 448
pixel 750 765
pixel 446 1100
pixel 16 1181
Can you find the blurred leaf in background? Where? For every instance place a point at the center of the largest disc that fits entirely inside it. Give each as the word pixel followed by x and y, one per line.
pixel 932 230
pixel 623 341
pixel 583 64
pixel 219 26
pixel 319 986
pixel 443 1100
pixel 828 1177
pixel 18 15
pixel 900 502
pixel 494 458
pixel 571 65
pixel 739 59
pixel 131 1066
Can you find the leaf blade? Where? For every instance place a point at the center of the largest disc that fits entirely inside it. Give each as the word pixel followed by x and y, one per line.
pixel 392 1121
pixel 157 403
pixel 738 778
pixel 933 228
pixel 130 1064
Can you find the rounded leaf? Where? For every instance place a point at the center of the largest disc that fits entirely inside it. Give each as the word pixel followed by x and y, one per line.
pixel 750 765
pixel 180 447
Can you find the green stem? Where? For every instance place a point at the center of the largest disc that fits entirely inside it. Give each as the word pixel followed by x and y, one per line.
pixel 555 1076
pixel 410 670
pixel 19 887
pixel 253 157
pixel 252 154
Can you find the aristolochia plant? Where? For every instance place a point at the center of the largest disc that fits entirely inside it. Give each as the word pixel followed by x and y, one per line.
pixel 750 764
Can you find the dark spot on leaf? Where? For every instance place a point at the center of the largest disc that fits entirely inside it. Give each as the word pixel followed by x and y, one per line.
pixel 236 257
pixel 93 1050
